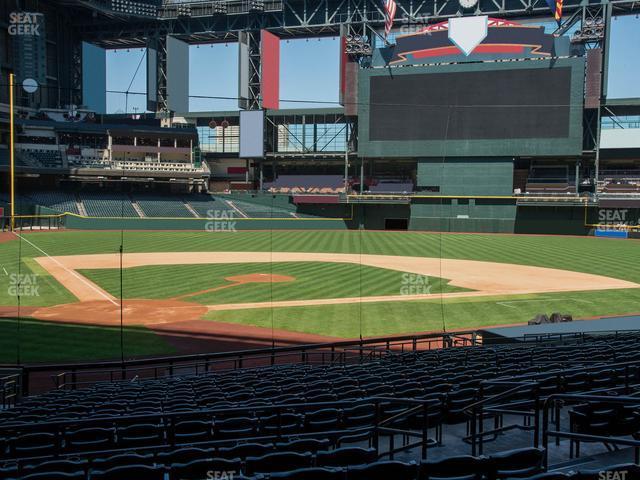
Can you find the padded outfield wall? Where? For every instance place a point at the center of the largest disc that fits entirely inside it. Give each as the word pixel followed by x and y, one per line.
pixel 471 213
pixel 424 214
pixel 220 224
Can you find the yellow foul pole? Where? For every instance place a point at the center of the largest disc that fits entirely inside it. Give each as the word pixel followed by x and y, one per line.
pixel 12 153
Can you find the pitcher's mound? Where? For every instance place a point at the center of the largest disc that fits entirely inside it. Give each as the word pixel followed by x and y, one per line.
pixel 135 312
pixel 260 278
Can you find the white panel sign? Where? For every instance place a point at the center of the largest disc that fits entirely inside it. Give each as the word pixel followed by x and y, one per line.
pixel 468 32
pixel 251 134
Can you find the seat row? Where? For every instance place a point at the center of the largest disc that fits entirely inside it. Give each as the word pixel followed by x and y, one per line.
pixel 211 392
pixel 345 464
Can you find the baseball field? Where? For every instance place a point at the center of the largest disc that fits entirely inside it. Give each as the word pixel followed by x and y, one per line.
pixel 184 292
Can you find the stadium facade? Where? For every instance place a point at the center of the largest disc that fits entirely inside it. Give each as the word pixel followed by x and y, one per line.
pixel 510 133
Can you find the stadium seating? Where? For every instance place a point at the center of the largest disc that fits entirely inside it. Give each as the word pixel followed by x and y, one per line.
pixel 301 420
pixel 105 204
pixel 54 199
pixel 115 204
pixel 262 210
pixel 620 181
pixel 209 206
pixel 306 184
pixel 47 158
pixel 39 158
pixel 550 179
pixel 21 160
pixel 141 166
pixel 162 206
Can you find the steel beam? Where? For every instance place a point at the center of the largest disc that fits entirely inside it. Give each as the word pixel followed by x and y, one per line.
pixel 202 23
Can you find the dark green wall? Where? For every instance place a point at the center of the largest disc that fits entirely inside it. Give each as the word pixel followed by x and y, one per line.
pixel 551 220
pixel 463 215
pixel 467 176
pixel 372 217
pixel 204 224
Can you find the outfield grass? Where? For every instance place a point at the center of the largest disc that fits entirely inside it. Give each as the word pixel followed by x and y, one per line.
pixel 312 280
pixel 55 342
pixel 388 318
pixel 609 257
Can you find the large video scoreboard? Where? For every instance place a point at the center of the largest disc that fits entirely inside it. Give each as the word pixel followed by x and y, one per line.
pixel 515 108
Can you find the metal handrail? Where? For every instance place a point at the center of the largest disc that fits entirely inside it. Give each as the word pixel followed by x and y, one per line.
pixel 476 408
pixel 202 356
pixel 552 399
pixel 238 363
pixel 9 390
pixel 340 357
pixel 239 357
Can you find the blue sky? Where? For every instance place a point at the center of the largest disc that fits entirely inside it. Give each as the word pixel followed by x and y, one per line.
pixel 309 72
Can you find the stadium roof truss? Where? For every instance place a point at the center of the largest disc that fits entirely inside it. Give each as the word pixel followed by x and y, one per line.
pixel 128 23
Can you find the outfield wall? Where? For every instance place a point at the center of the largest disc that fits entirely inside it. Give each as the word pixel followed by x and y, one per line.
pixel 482 215
pixel 476 215
pixel 561 220
pixel 213 225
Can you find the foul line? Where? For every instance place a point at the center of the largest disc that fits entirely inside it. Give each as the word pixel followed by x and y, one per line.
pixel 504 304
pixel 71 271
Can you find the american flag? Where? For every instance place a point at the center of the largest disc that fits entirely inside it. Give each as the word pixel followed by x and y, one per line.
pixel 389 14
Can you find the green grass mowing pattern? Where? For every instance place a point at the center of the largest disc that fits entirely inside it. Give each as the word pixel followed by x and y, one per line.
pixel 13 272
pixel 612 257
pixel 56 342
pixel 312 280
pixel 388 318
